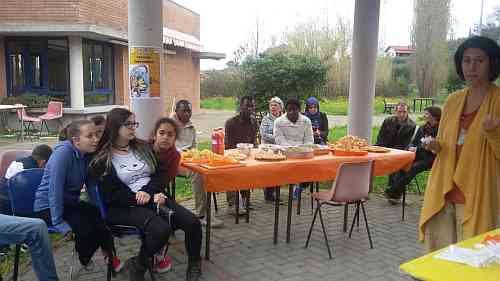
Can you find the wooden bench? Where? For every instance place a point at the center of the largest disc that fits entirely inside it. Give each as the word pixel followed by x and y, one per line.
pixel 388 107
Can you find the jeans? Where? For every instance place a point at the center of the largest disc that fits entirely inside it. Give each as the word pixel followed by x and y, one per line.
pixel 32 232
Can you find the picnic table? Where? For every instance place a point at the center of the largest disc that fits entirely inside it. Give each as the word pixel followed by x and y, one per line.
pixel 429 268
pixel 421 101
pixel 5 108
pixel 260 174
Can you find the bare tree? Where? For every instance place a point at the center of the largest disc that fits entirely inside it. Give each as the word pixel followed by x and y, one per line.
pixel 429 32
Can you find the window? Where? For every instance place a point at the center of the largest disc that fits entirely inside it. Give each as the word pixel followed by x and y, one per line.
pixel 38 66
pixel 98 72
pixel 58 63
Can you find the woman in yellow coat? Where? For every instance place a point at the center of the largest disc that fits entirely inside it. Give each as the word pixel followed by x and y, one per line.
pixel 463 191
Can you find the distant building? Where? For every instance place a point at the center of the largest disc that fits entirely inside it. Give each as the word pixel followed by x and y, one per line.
pixel 76 51
pixel 399 51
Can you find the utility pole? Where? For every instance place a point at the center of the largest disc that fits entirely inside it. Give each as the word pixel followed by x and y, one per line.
pixel 145 47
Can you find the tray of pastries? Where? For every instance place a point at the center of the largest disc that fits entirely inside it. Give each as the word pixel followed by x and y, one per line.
pixel 269 155
pixel 208 159
pixel 350 146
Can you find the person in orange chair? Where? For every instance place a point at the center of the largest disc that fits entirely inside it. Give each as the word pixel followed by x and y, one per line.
pixel 462 195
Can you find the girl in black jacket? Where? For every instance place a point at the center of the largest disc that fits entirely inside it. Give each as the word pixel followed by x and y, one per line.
pixel 132 186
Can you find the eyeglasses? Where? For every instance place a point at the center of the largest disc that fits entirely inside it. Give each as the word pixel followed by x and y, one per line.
pixel 131 125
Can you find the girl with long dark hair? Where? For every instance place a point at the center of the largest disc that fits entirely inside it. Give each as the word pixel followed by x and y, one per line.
pixel 132 185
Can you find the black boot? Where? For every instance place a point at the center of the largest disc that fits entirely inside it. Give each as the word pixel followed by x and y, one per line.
pixel 136 269
pixel 194 270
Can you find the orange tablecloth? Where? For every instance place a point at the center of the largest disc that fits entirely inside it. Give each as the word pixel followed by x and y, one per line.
pixel 259 174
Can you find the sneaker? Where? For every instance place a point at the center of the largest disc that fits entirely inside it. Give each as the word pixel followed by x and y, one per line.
pixel 392 200
pixel 116 263
pixel 163 263
pixel 232 211
pixel 136 269
pixel 215 223
pixel 77 269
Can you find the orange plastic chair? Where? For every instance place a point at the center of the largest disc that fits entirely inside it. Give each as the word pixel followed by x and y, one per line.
pixel 8 156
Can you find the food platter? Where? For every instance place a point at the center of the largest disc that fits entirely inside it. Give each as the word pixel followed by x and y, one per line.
pixel 350 146
pixel 349 153
pixel 269 155
pixel 207 158
pixel 299 152
pixel 378 149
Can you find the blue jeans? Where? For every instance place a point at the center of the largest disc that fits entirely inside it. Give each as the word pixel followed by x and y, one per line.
pixel 32 232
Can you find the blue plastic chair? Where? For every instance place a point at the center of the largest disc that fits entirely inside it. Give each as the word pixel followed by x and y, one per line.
pixel 21 190
pixel 119 231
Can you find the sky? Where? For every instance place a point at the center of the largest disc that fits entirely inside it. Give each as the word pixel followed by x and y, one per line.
pixel 227 24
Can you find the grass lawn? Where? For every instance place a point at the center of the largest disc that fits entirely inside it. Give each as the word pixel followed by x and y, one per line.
pixel 335 106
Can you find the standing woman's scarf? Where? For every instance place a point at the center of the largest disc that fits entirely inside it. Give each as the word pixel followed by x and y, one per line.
pixel 315 118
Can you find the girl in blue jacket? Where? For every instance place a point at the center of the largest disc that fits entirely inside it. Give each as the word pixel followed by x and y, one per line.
pixel 57 200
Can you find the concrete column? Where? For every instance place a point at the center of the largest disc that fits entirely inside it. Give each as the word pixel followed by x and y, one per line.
pixel 76 72
pixel 145 29
pixel 364 56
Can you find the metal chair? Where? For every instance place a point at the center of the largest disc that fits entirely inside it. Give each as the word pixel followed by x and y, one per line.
pixel 21 190
pixel 27 121
pixel 54 111
pixel 351 186
pixel 121 231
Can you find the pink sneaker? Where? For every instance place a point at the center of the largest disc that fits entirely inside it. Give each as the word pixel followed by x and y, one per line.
pixel 163 264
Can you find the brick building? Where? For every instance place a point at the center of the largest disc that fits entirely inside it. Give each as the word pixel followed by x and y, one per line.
pixel 76 51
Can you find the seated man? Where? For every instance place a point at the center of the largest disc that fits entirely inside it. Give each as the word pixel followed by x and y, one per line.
pixel 241 128
pixel 38 158
pixel 32 232
pixel 396 132
pixel 423 157
pixel 292 129
pixel 186 140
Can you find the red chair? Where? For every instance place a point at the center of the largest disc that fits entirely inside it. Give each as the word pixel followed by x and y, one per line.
pixel 54 111
pixel 351 186
pixel 26 120
pixel 8 156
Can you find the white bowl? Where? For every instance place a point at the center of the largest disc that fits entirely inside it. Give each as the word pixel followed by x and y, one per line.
pixel 245 148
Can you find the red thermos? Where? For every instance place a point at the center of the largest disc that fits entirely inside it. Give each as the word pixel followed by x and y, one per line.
pixel 218 145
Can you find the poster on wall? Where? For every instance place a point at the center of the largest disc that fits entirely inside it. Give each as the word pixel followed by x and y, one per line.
pixel 144 72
